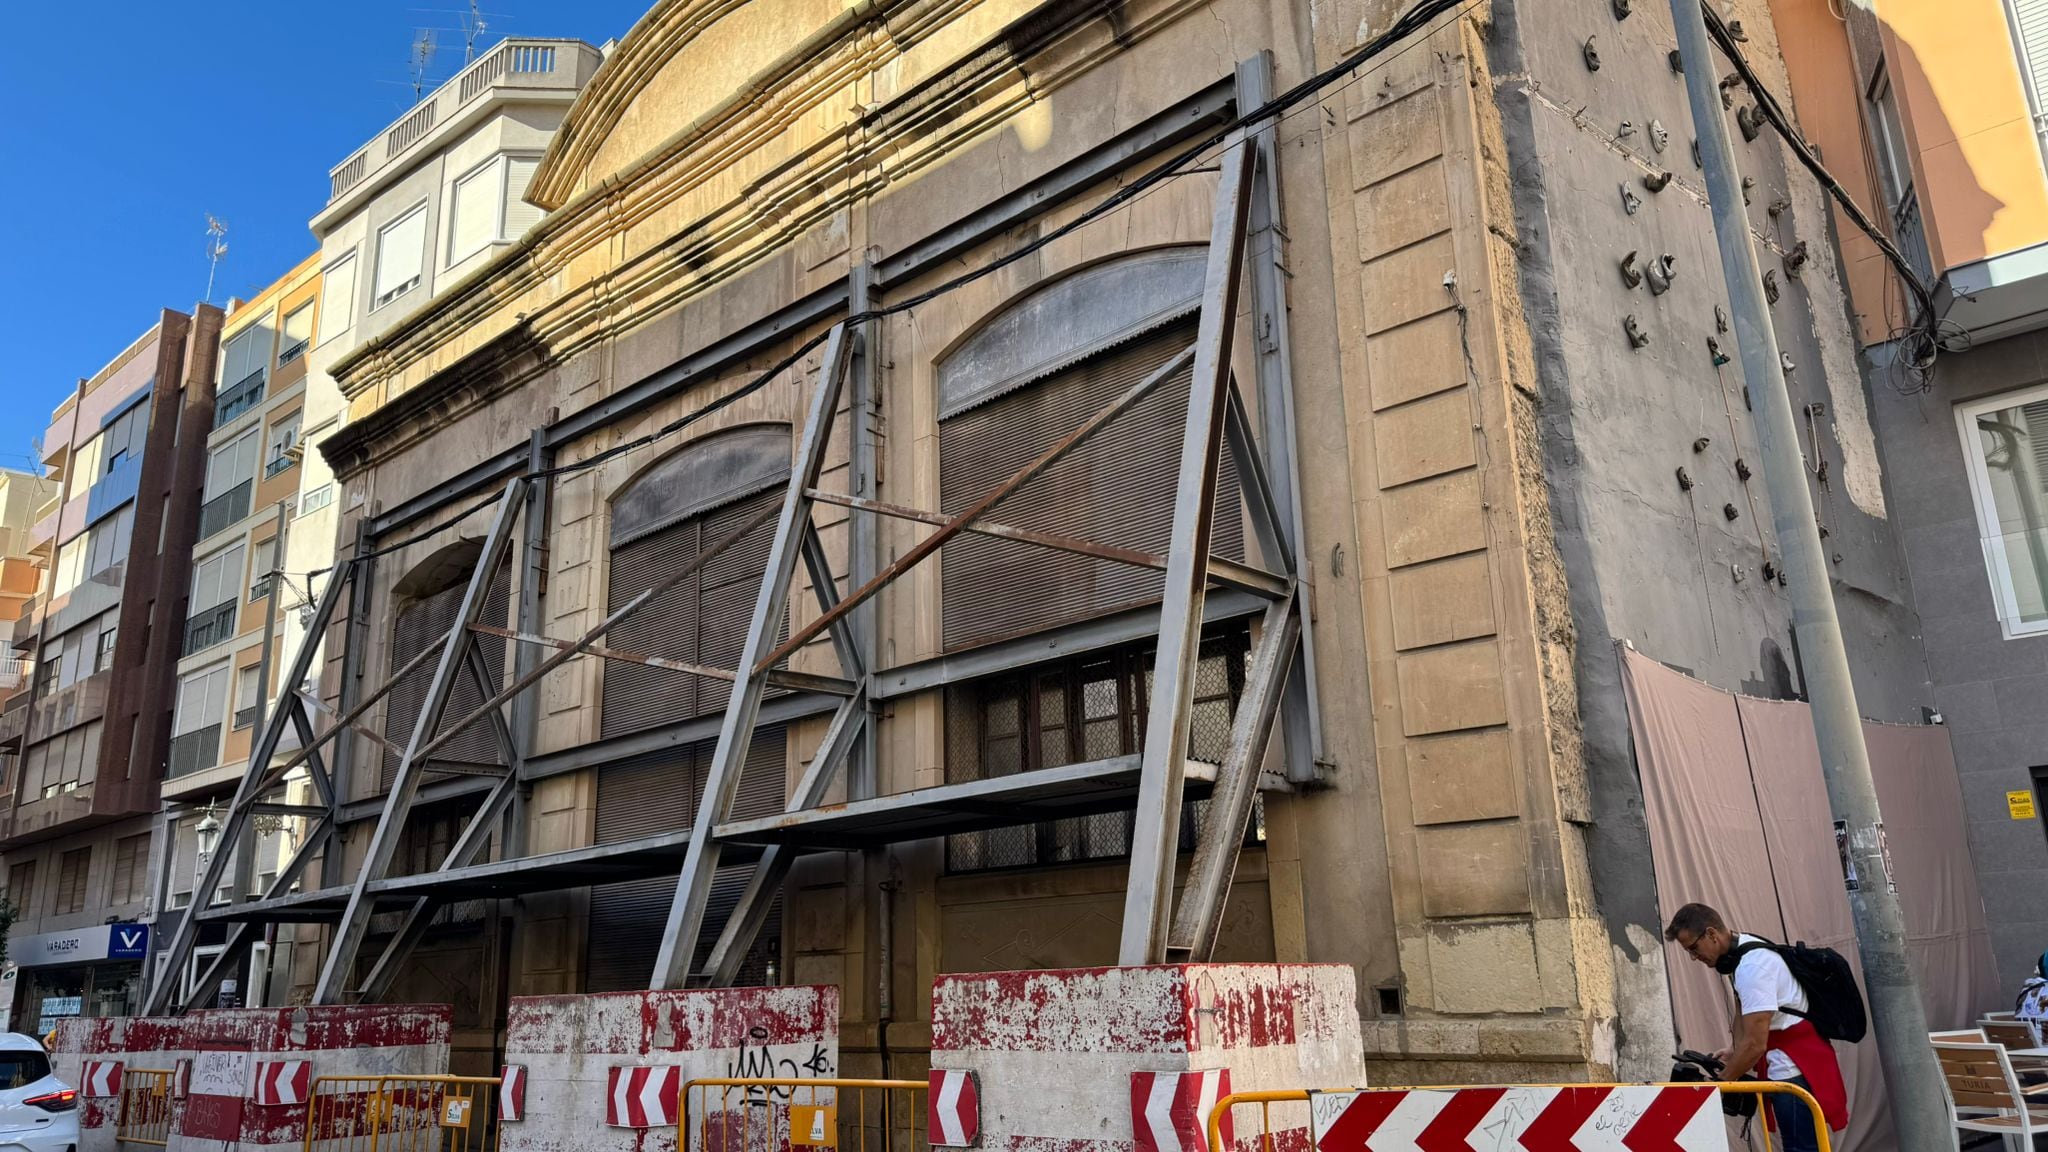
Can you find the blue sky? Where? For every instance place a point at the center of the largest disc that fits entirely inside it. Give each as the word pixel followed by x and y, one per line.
pixel 141 118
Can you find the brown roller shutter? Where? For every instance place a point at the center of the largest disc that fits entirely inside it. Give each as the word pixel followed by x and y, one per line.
pixel 658 793
pixel 1118 488
pixel 420 624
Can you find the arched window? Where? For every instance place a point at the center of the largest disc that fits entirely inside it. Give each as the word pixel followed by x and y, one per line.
pixel 428 600
pixel 662 521
pixel 1030 376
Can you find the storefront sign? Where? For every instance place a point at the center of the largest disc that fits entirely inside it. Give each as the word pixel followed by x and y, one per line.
pixel 63 1005
pixel 98 942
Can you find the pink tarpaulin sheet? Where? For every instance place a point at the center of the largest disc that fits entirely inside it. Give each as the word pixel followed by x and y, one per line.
pixel 1739 819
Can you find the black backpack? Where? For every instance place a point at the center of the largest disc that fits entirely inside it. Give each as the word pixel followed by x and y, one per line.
pixel 1834 1004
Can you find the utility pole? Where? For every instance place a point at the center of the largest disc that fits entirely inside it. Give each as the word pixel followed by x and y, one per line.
pixel 1909 1070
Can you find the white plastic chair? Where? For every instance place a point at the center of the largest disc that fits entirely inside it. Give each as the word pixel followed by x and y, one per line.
pixel 1984 1094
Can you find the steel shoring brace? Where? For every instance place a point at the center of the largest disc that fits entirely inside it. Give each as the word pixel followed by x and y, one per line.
pixel 355 920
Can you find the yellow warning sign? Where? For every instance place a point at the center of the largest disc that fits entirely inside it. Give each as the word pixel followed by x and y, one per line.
pixel 455 1112
pixel 814 1125
pixel 2020 804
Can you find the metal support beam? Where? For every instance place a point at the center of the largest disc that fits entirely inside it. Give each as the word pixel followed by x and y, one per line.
pixel 736 729
pixel 777 677
pixel 863 529
pixel 355 919
pixel 1301 719
pixel 1148 897
pixel 239 810
pixel 1196 922
pixel 240 935
pixel 533 575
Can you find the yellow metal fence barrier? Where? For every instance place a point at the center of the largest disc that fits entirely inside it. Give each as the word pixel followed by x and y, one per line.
pixel 1298 1138
pixel 403 1114
pixel 766 1115
pixel 145 1107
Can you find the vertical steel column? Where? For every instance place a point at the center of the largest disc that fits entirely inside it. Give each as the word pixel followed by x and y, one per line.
pixel 736 727
pixel 533 575
pixel 1301 721
pixel 355 918
pixel 863 528
pixel 1148 899
pixel 246 795
pixel 355 649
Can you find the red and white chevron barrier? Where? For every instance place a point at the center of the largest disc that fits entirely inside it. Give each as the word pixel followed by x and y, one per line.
pixel 512 1093
pixel 1170 1110
pixel 102 1079
pixel 642 1097
pixel 283 1082
pixel 1591 1119
pixel 954 1103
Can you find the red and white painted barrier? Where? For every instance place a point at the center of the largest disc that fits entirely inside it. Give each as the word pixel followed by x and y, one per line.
pixel 181 1078
pixel 102 1079
pixel 1056 1050
pixel 1589 1119
pixel 643 1097
pixel 570 1047
pixel 512 1092
pixel 1170 1110
pixel 284 1082
pixel 954 1103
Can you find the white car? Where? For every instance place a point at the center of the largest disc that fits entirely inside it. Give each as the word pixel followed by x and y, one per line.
pixel 38 1112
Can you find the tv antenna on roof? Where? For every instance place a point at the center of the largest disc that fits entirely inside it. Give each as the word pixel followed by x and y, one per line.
pixel 422 59
pixel 216 247
pixel 473 29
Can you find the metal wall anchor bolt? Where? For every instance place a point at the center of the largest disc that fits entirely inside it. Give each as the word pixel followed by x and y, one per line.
pixel 1736 571
pixel 1622 8
pixel 1779 206
pixel 1700 445
pixel 1660 136
pixel 1592 55
pixel 1770 570
pixel 1736 33
pixel 1684 480
pixel 1720 319
pixel 1747 119
pixel 1660 272
pixel 1796 258
pixel 1637 338
pixel 1627 129
pixel 1676 61
pixel 1785 363
pixel 1770 285
pixel 1822 528
pixel 1748 183
pixel 1742 471
pixel 1630 201
pixel 1714 350
pixel 1655 181
pixel 1630 274
pixel 1728 84
pixel 1728 512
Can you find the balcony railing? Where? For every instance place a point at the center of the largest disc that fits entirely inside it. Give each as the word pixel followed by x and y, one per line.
pixel 15 671
pixel 210 626
pixel 193 752
pixel 224 510
pixel 291 352
pixel 246 394
pixel 278 464
pixel 245 717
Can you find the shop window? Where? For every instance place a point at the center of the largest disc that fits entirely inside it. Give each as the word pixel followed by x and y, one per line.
pixel 2005 442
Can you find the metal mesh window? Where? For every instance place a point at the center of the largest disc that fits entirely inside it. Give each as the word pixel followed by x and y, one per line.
pixel 655 793
pixel 1071 712
pixel 421 624
pixel 1117 488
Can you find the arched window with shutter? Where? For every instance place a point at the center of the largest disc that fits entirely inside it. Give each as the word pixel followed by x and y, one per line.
pixel 663 520
pixel 427 601
pixel 1029 376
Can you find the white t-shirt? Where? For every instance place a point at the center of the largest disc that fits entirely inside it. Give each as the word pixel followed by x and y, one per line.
pixel 1763 982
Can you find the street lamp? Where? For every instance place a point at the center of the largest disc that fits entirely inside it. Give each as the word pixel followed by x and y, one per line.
pixel 208 831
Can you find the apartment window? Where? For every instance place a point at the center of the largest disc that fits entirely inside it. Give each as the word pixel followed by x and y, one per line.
pixel 110 539
pixel 123 437
pixel 231 464
pixel 21 887
pixel 63 764
pixel 278 453
pixel 2005 442
pixel 216 579
pixel 246 696
pixel 519 215
pixel 244 364
pixel 103 654
pixel 86 462
pixel 260 568
pixel 1894 158
pixel 298 334
pixel 474 205
pixel 401 250
pixel 131 869
pixel 73 869
pixel 70 571
pixel 315 499
pixel 338 297
pixel 196 725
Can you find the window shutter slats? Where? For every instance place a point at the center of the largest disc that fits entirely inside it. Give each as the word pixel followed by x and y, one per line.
pixel 475 213
pixel 519 215
pixel 425 622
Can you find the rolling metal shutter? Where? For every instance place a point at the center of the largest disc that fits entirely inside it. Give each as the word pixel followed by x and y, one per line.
pixel 658 793
pixel 1118 488
pixel 422 623
pixel 704 619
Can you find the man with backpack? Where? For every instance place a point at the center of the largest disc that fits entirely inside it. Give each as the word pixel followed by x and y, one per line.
pixel 1780 1023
